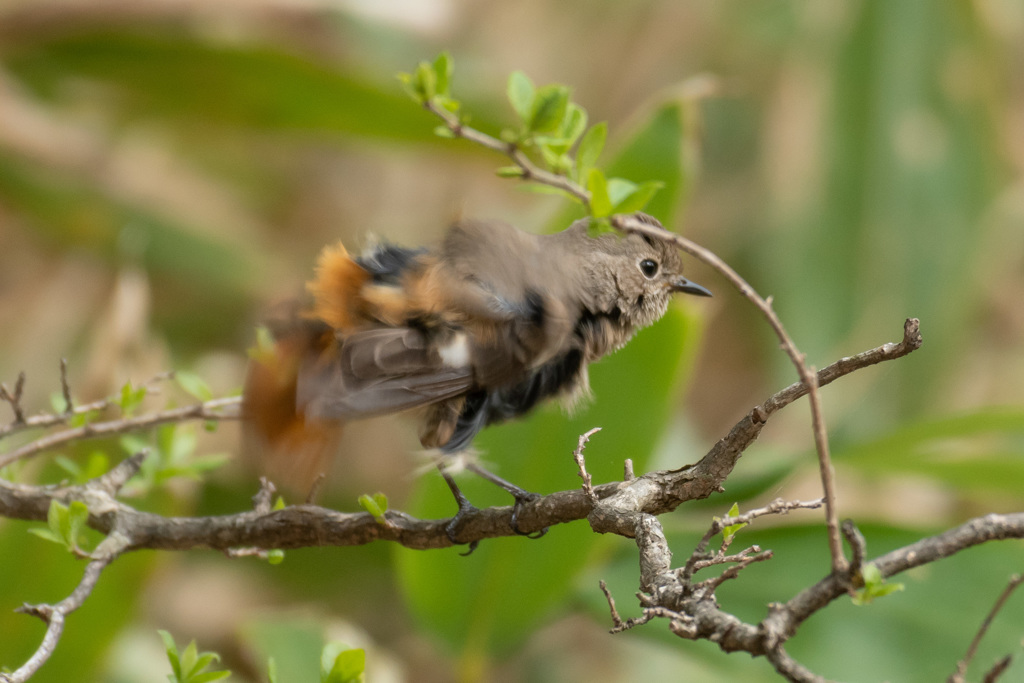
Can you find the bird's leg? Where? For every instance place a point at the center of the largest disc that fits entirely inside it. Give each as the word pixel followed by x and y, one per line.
pixel 522 496
pixel 465 507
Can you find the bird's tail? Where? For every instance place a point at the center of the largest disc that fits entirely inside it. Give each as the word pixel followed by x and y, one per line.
pixel 280 441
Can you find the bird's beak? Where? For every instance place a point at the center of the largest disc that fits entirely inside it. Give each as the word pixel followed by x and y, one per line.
pixel 681 284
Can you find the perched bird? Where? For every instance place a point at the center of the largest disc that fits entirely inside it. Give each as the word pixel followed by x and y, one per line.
pixel 475 331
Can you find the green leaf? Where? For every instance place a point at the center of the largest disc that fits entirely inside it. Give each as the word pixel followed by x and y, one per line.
pixel 730 531
pixel 272 670
pixel 345 666
pixel 548 110
pixel 638 198
pixel 597 186
pixel 376 505
pixel 590 148
pixel 444 132
pixel 172 654
pixel 265 350
pixel 275 556
pixel 874 586
pixel 425 81
pixel 443 67
pixel 209 677
pixel 521 95
pixel 131 398
pixel 574 124
pixel 47 534
pixel 620 189
pixel 654 152
pixel 193 384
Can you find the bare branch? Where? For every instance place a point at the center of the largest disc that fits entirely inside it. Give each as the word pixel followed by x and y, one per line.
pixel 630 223
pixel 65 388
pixel 45 420
pixel 210 410
pixel 55 615
pixel 588 481
pixel 959 675
pixel 14 397
pixel 616 619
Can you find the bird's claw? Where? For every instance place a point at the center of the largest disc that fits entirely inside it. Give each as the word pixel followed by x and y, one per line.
pixel 513 521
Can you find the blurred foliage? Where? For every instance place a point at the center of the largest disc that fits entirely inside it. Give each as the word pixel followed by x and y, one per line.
pixel 168 171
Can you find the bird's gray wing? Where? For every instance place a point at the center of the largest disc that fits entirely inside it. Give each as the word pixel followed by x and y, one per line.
pixel 381 371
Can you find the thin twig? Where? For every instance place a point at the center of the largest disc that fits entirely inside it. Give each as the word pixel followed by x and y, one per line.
pixel 616 619
pixel 65 388
pixel 46 420
pixel 630 223
pixel 14 398
pixel 776 507
pixel 588 481
pixel 958 676
pixel 530 171
pixel 210 410
pixel 858 544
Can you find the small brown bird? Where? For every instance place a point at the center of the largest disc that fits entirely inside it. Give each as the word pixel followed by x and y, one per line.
pixel 477 330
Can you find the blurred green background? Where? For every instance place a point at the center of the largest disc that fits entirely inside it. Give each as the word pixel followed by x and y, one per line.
pixel 169 170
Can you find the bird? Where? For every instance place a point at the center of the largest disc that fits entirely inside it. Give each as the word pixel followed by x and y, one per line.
pixel 473 331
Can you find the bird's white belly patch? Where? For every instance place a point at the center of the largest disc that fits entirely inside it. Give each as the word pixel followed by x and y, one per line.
pixel 455 354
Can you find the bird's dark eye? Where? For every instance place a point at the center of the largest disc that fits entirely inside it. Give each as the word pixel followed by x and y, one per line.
pixel 649 268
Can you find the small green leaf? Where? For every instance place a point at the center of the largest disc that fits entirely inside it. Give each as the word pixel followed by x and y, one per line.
pixel 172 653
pixel 131 398
pixel 638 198
pixel 590 148
pixel 875 586
pixel 278 504
pixel 193 384
pixel 574 124
pixel 58 521
pixel 341 664
pixel 443 72
pixel 209 677
pixel 425 81
pixel 78 515
pixel 271 670
pixel 730 531
pixel 376 505
pixel 510 172
pixel 549 107
pixel 444 132
pixel 48 535
pixel 521 95
pixel 619 189
pixel 600 202
pixel 407 85
pixel 69 466
pixel 275 556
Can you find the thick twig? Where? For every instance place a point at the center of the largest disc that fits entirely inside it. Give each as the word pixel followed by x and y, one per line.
pixel 959 675
pixel 210 410
pixel 630 223
pixel 55 615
